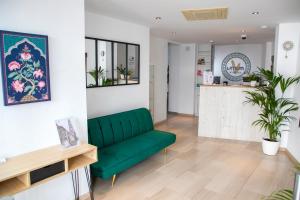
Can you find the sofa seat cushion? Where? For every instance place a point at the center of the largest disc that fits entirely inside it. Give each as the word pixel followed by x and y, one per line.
pixel 131 151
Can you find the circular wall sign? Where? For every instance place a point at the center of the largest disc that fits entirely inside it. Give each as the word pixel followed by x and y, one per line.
pixel 288 45
pixel 235 65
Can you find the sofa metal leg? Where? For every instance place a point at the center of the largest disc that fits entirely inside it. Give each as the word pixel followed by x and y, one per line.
pixel 165 150
pixel 113 180
pixel 165 156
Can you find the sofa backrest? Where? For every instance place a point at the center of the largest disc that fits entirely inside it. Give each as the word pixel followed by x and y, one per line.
pixel 107 130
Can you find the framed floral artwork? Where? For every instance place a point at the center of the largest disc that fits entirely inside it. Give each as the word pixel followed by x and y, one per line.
pixel 25 68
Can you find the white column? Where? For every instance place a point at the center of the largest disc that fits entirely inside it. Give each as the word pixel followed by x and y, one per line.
pixel 287 66
pixel 269 53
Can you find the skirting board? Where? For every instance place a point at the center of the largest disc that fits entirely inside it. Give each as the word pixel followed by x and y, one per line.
pixel 181 114
pixel 160 122
pixel 290 156
pixel 85 196
pixel 175 114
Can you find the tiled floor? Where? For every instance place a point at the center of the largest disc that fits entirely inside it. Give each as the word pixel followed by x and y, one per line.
pixel 200 169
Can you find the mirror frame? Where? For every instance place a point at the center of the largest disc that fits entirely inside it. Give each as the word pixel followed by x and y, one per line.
pixel 112 60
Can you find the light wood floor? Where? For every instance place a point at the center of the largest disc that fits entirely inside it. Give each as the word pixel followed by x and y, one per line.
pixel 200 168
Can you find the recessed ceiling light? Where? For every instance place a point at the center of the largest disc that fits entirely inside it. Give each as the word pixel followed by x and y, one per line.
pixel 264 26
pixel 211 41
pixel 255 13
pixel 157 18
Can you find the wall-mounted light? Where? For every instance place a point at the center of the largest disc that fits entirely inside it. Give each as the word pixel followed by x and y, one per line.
pixel 263 26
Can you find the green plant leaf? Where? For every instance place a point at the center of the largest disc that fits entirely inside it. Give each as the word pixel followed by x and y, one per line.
pixel 281 195
pixel 18 77
pixel 274 111
pixel 12 74
pixel 36 64
pixel 27 88
pixel 298 167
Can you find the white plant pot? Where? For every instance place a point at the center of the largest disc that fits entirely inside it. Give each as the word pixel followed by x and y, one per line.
pixel 253 83
pixel 246 83
pixel 121 81
pixel 270 148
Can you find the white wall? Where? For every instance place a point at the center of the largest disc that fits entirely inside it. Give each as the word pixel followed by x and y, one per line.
pixel 294 135
pixel 29 127
pixel 269 52
pixel 182 79
pixel 159 58
pixel 289 67
pixel 102 101
pixel 255 52
pixel 174 66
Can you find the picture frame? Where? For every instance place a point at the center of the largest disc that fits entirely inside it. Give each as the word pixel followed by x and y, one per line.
pixel 24 67
pixel 67 132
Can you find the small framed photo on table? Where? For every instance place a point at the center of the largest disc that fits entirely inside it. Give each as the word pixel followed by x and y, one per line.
pixel 66 131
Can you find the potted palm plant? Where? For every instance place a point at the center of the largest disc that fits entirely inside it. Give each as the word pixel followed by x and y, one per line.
pixel 97 73
pixel 275 109
pixel 254 78
pixel 123 73
pixel 251 79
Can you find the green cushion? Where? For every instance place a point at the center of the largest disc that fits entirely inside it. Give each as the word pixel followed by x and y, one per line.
pixel 124 139
pixel 107 130
pixel 121 156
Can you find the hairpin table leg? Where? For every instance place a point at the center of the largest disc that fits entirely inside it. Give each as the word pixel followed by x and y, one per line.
pixel 88 179
pixel 75 180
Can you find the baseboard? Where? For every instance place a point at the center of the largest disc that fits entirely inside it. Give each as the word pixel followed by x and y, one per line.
pixel 173 113
pixel 289 155
pixel 160 122
pixel 85 196
pixel 182 114
pixel 282 149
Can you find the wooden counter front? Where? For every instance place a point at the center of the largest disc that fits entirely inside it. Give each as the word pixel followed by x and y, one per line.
pixel 223 113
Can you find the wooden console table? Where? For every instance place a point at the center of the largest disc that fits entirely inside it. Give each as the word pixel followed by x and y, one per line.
pixel 22 172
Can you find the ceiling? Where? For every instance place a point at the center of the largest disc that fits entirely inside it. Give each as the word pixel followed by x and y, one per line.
pixel 173 26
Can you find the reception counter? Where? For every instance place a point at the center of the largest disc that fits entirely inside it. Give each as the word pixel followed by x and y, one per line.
pixel 223 113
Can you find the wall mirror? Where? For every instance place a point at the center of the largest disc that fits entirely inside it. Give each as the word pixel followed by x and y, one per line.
pixel 111 63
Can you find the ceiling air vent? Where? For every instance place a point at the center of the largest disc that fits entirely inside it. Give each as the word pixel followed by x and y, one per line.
pixel 205 14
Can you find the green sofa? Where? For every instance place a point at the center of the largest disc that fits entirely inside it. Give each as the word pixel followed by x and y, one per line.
pixel 123 140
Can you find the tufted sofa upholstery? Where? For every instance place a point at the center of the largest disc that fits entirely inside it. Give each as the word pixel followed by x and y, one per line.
pixel 125 139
